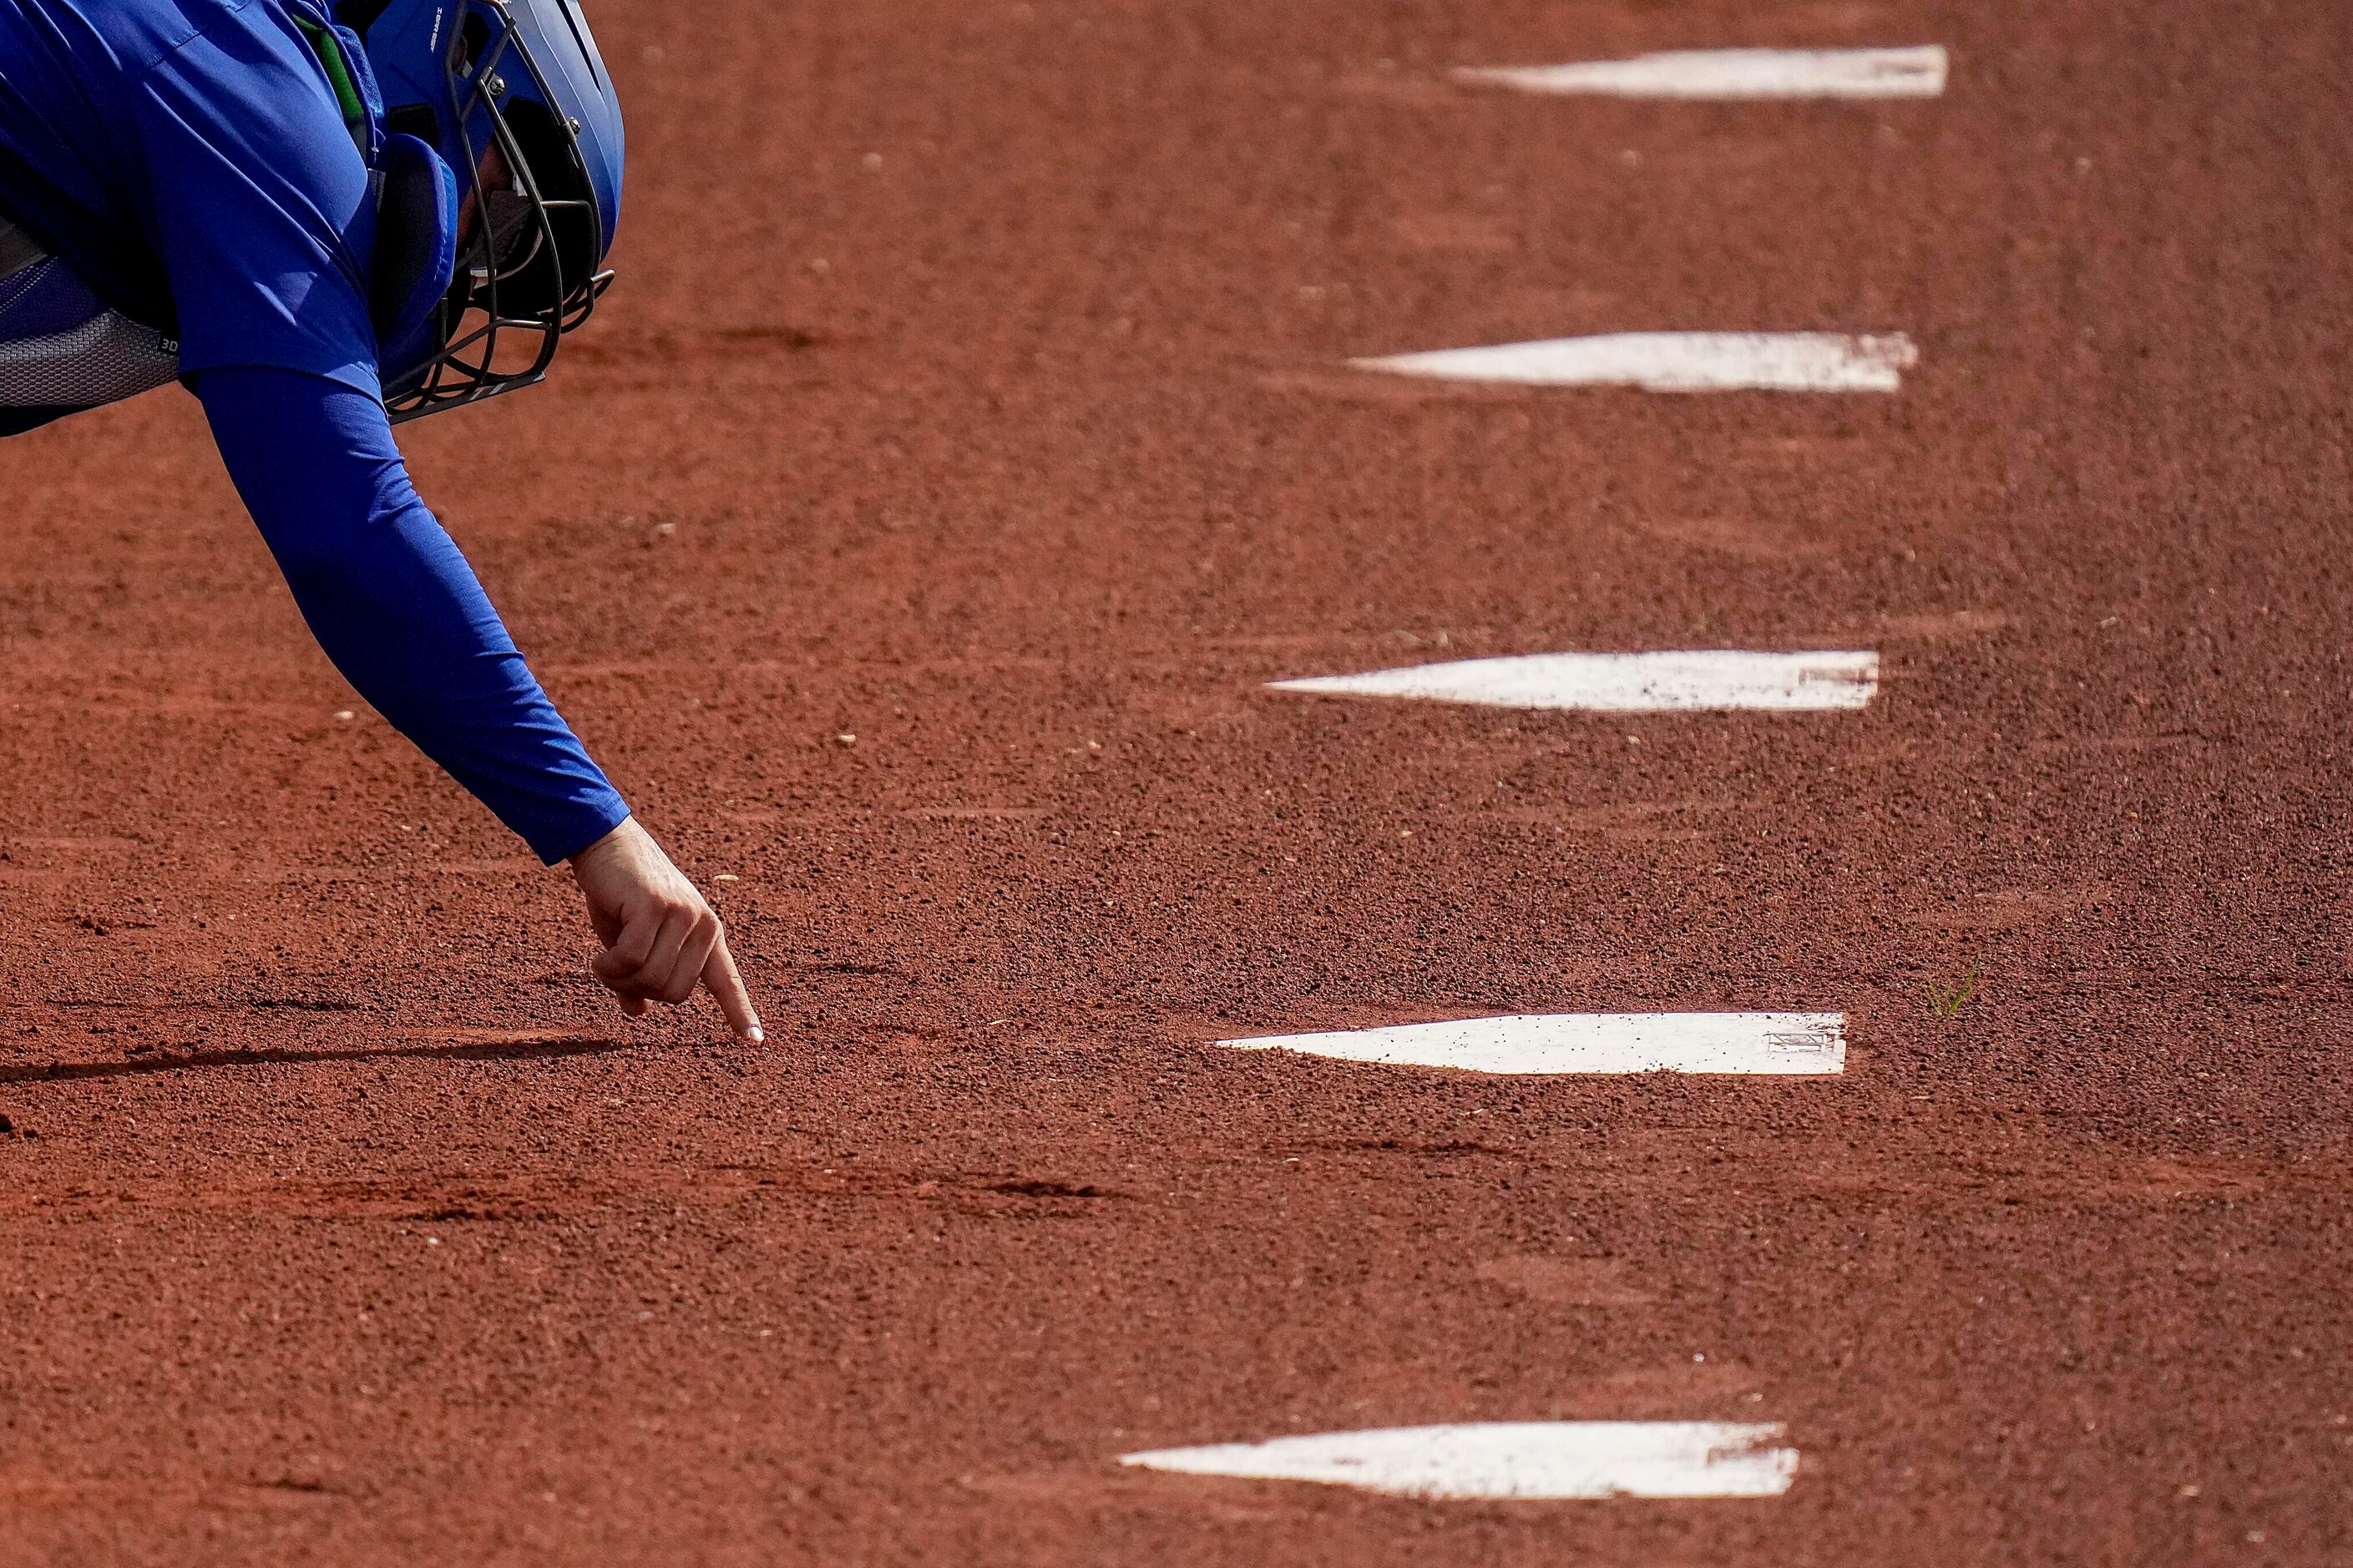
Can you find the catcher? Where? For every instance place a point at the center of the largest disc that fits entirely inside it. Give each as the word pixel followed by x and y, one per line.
pixel 323 221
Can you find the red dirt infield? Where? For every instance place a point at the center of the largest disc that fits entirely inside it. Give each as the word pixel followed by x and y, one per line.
pixel 972 387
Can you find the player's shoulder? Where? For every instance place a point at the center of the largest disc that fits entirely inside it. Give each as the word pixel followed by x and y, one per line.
pixel 134 35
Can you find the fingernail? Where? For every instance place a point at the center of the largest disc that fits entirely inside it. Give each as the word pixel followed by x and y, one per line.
pixel 758 1035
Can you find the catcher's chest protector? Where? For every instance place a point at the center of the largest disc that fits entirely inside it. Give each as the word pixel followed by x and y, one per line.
pixel 61 348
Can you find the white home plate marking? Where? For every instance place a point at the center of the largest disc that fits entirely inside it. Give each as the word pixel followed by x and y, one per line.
pixel 1792 1044
pixel 1737 74
pixel 1624 682
pixel 1675 362
pixel 1516 1459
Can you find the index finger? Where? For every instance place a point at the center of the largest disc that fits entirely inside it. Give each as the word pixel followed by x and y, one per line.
pixel 726 987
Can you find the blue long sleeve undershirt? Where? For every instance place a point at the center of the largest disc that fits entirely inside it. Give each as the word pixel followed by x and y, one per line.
pixel 394 605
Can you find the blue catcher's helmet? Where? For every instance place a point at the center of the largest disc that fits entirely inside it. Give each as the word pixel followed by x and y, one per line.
pixel 514 98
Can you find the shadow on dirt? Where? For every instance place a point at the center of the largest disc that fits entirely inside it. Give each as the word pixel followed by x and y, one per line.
pixel 531 1050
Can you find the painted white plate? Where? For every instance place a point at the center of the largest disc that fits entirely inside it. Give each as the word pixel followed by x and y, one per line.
pixel 1660 683
pixel 1526 1460
pixel 1737 74
pixel 1753 1044
pixel 1675 362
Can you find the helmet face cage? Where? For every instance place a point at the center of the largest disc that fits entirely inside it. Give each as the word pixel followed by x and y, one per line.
pixel 526 272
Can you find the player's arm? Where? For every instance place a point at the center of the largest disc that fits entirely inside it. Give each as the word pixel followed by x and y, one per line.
pixel 395 606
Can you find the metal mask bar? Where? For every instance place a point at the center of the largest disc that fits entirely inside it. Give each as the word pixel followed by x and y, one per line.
pixel 479 319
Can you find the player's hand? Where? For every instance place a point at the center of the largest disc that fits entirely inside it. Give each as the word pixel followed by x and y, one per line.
pixel 661 938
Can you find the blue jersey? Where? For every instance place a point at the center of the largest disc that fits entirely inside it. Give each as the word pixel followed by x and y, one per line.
pixel 189 160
